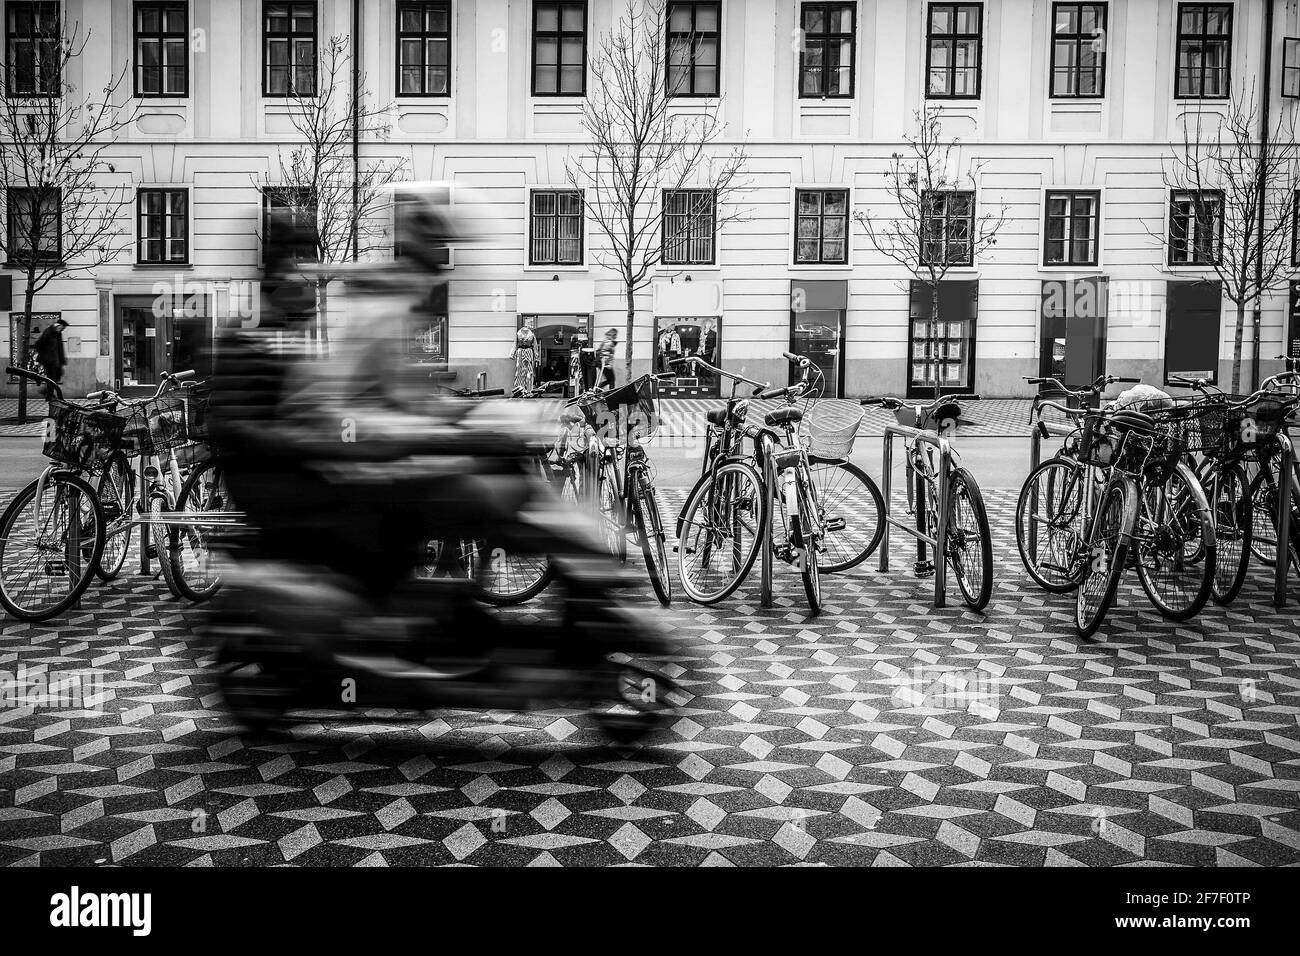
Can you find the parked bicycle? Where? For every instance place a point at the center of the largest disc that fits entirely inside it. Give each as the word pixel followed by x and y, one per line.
pixel 968 544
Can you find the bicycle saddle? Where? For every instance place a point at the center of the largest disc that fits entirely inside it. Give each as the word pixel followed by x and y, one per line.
pixel 783 416
pixel 1126 419
pixel 938 413
pixel 717 417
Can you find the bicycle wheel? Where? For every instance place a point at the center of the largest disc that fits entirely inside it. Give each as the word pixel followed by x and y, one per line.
pixel 116 489
pixel 47 564
pixel 166 541
pixel 969 548
pixel 1106 552
pixel 1049 524
pixel 720 532
pixel 1263 544
pixel 609 509
pixel 1175 545
pixel 1233 529
pixel 805 535
pixel 852 514
pixel 650 535
pixel 194 567
pixel 503 577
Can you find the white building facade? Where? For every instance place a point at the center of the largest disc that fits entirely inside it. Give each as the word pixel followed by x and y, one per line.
pixel 1069 110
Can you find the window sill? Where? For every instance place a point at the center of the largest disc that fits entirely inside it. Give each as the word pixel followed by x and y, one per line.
pixel 557 270
pixel 664 267
pixel 1098 267
pixel 422 97
pixel 821 267
pixel 160 266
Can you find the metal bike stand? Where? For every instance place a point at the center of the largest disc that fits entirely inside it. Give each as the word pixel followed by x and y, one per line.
pixel 1284 477
pixel 765 554
pixel 939 542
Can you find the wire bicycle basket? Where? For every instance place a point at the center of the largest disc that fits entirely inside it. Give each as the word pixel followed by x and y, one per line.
pixel 81 438
pixel 196 401
pixel 156 425
pixel 628 412
pixel 830 428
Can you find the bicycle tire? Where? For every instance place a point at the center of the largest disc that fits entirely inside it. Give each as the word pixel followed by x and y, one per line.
pixel 1264 493
pixel 808 541
pixel 1055 569
pixel 650 536
pixel 858 495
pixel 88 497
pixel 166 541
pixel 723 484
pixel 1233 529
pixel 116 492
pixel 195 497
pixel 534 577
pixel 1117 504
pixel 1178 539
pixel 610 513
pixel 962 485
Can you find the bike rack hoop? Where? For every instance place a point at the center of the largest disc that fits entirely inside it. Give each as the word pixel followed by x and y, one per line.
pixel 939 542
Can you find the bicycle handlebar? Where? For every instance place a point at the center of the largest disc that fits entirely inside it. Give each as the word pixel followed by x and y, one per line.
pixel 167 381
pixel 27 373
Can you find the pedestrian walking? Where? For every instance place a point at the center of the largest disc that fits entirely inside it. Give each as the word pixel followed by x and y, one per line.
pixel 50 352
pixel 606 357
pixel 525 356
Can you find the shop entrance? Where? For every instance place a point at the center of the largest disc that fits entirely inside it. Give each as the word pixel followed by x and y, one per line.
pixel 1074 330
pixel 1193 319
pixel 818 311
pixel 555 342
pixel 681 338
pixel 942 349
pixel 151 340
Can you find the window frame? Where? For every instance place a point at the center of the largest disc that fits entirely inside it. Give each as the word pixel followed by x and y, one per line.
pixel 167 215
pixel 424 36
pixel 161 36
pixel 668 48
pixel 52 258
pixel 1178 196
pixel 1072 192
pixel 289 36
pixel 530 237
pixel 1180 36
pixel 827 38
pixel 558 37
pixel 1295 229
pixel 690 217
pixel 1079 40
pixel 266 218
pixel 969 261
pixel 954 37
pixel 821 261
pixel 1291 49
pixel 35 38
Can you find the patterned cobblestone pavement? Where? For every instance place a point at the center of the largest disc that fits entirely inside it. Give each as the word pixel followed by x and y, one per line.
pixel 881 733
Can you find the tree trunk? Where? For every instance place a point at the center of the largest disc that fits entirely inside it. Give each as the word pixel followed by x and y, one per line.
pixel 631 324
pixel 24 351
pixel 322 317
pixel 934 333
pixel 1237 347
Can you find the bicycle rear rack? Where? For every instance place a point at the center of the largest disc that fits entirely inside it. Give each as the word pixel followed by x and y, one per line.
pixel 940 540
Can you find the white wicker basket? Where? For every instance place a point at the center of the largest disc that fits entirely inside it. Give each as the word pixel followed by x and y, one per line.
pixel 830 427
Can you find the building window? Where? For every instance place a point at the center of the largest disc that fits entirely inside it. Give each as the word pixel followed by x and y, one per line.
pixel 33 49
pixel 289 49
pixel 688 226
pixel 35 225
pixel 163 226
pixel 560 48
pixel 826 59
pixel 821 231
pixel 1291 67
pixel 161 49
pixel 1078 50
pixel 949 223
pixel 1073 228
pixel 1204 50
pixel 555 228
pixel 954 36
pixel 1195 228
pixel 291 209
pixel 424 49
pixel 694 30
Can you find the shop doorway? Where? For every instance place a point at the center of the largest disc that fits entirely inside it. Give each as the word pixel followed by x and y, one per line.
pixel 819 337
pixel 1074 315
pixel 152 339
pixel 681 338
pixel 1193 319
pixel 555 342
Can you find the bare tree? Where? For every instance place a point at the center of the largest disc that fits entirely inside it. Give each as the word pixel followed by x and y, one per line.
pixel 322 181
pixel 64 219
pixel 645 143
pixel 1240 211
pixel 935 227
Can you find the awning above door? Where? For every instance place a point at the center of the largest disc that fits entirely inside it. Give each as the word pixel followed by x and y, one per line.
pixel 555 297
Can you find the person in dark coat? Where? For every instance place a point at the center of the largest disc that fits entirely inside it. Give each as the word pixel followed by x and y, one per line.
pixel 51 354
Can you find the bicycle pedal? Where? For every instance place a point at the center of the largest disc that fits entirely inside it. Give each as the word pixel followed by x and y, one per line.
pixel 834 524
pixel 923 569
